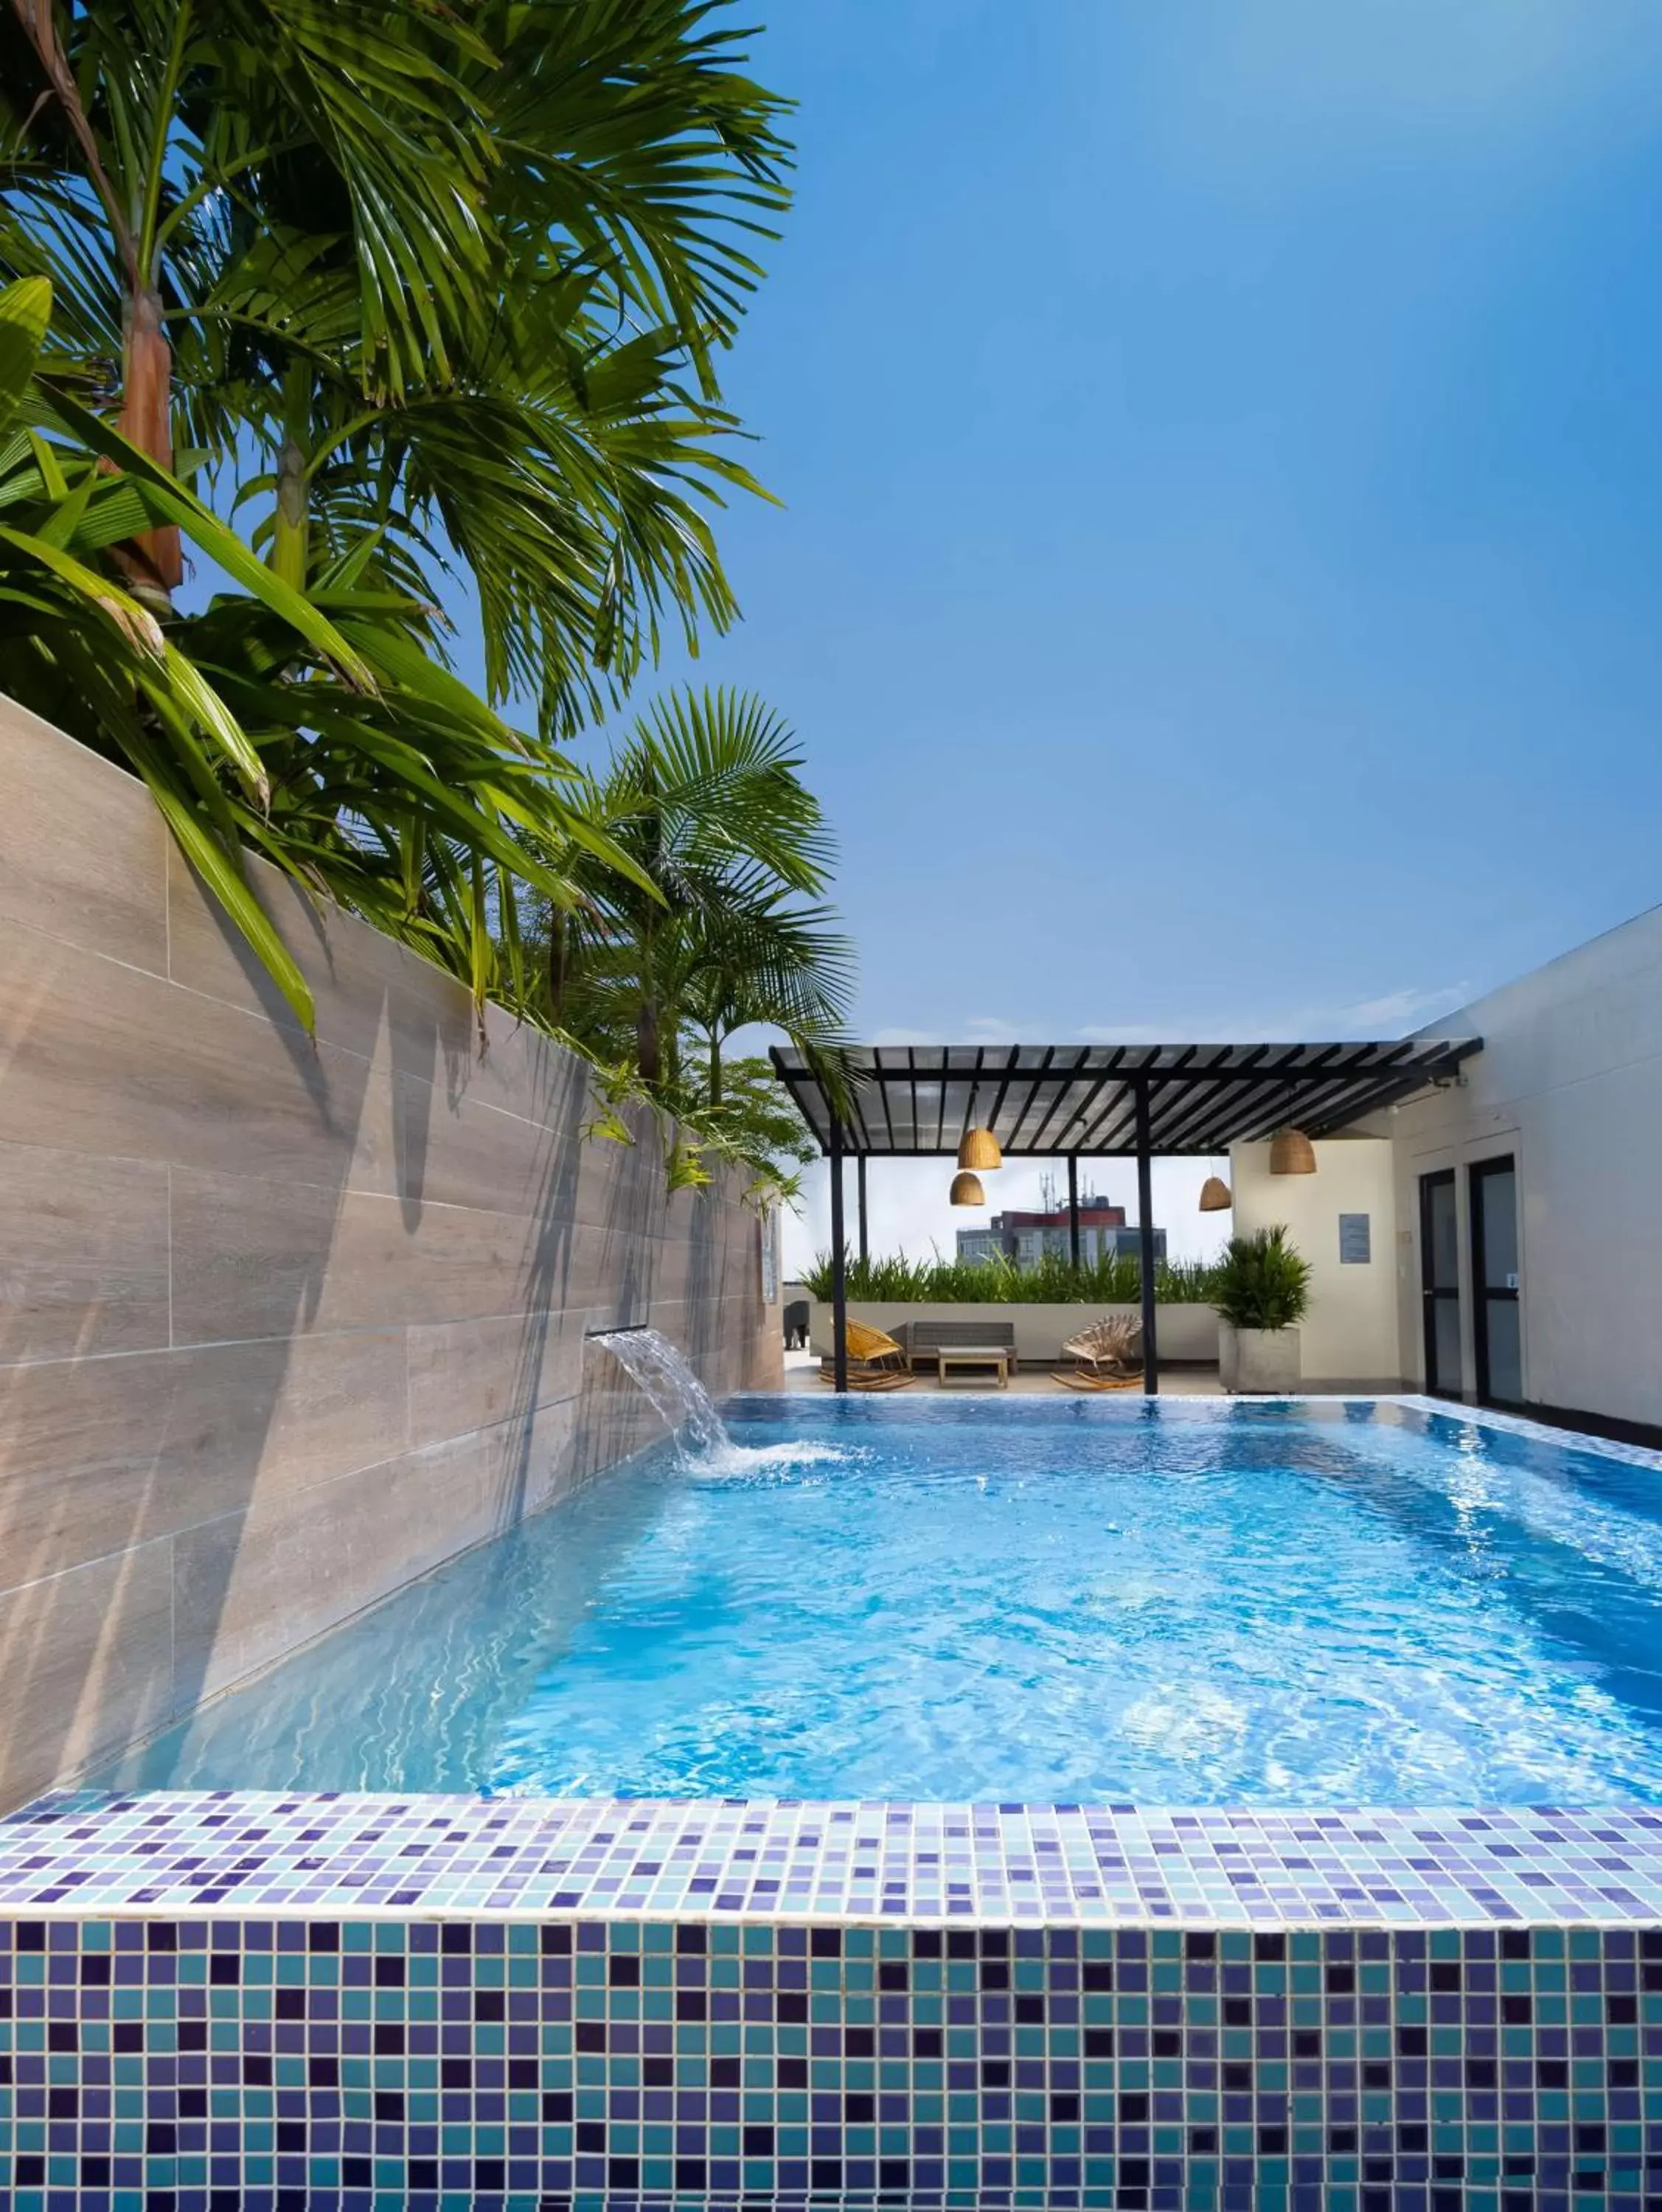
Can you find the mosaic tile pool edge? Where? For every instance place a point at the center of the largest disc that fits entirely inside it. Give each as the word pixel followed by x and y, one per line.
pixel 232 1853
pixel 265 2062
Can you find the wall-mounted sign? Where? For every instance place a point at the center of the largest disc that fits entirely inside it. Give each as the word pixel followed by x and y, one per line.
pixel 1355 1240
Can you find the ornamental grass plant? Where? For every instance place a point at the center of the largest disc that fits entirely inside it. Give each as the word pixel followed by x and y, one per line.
pixel 1053 1281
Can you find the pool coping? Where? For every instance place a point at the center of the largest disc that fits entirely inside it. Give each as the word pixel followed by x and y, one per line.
pixel 363 1855
pixel 251 1854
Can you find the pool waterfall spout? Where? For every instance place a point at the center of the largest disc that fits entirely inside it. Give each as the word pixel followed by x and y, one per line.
pixel 660 1370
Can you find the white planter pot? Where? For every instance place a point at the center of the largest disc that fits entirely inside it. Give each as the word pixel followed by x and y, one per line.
pixel 1229 1355
pixel 1267 1361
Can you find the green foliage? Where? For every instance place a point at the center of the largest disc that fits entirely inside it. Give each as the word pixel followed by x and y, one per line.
pixel 433 299
pixel 755 1121
pixel 999 1281
pixel 1262 1282
pixel 309 727
pixel 25 319
pixel 432 289
pixel 705 795
pixel 755 1127
pixel 441 286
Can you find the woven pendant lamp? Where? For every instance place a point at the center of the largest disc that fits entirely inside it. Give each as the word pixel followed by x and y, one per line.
pixel 1291 1152
pixel 979 1150
pixel 1215 1196
pixel 967 1191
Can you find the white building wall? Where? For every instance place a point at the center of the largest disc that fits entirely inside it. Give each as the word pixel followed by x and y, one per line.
pixel 1350 1336
pixel 1570 1082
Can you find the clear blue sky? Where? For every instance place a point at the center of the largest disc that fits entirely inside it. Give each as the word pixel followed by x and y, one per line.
pixel 1220 584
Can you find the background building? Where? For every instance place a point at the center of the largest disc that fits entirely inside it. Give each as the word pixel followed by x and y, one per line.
pixel 1028 1238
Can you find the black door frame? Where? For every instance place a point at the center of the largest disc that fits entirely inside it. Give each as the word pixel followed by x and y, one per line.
pixel 1477 1174
pixel 1429 1290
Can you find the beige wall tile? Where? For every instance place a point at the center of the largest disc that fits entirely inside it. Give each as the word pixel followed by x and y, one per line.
pixel 256 1259
pixel 254 1585
pixel 282 1325
pixel 521 1072
pixel 367 990
pixel 83 1254
pixel 364 985
pixel 97 1454
pixel 86 1661
pixel 96 1058
pixel 471 1373
pixel 82 849
pixel 453 1151
pixel 251 1586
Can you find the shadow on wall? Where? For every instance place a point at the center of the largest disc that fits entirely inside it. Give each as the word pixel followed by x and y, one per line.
pixel 282 1325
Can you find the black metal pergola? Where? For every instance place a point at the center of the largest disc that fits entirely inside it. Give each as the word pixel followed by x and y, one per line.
pixel 1092 1102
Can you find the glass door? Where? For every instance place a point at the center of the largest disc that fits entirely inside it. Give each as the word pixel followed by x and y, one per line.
pixel 1440 1282
pixel 1496 1329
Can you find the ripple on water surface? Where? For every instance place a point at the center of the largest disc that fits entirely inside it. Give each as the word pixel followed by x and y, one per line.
pixel 1196 1604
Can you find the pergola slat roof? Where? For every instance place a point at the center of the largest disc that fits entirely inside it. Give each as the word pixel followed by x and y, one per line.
pixel 1047 1101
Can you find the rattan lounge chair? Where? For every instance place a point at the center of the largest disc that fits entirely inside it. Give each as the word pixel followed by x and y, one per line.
pixel 1107 1356
pixel 876 1361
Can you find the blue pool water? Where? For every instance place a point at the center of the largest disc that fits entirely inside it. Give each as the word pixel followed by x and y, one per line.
pixel 1193 1603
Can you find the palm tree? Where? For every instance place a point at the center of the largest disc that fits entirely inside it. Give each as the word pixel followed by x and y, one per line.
pixel 135 124
pixel 705 797
pixel 759 960
pixel 443 286
pixel 455 281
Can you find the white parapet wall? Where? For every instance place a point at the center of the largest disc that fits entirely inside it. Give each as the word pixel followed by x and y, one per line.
pixel 1349 1338
pixel 1186 1333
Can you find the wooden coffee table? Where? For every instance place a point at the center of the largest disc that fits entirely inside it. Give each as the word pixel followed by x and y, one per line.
pixel 960 1356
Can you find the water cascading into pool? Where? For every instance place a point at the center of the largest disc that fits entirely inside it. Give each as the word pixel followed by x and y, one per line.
pixel 675 1391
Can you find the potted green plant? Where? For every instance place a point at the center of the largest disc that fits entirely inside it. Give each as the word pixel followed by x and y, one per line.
pixel 1261 1292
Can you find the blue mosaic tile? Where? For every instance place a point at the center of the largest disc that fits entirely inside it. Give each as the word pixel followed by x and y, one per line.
pixel 269 2062
pixel 230 1852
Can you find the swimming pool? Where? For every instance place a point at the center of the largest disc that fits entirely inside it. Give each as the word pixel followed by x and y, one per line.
pixel 1187 1602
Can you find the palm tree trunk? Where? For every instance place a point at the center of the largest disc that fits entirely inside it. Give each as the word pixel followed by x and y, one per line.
pixel 154 559
pixel 559 962
pixel 291 552
pixel 715 1067
pixel 647 1056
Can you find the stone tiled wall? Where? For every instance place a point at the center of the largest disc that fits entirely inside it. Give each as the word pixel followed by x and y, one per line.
pixel 283 1323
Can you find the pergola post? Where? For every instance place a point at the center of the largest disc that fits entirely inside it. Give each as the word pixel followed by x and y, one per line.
pixel 1146 1236
pixel 860 1186
pixel 839 1269
pixel 1073 1207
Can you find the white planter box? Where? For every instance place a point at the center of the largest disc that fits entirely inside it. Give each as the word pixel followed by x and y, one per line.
pixel 1184 1332
pixel 1266 1361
